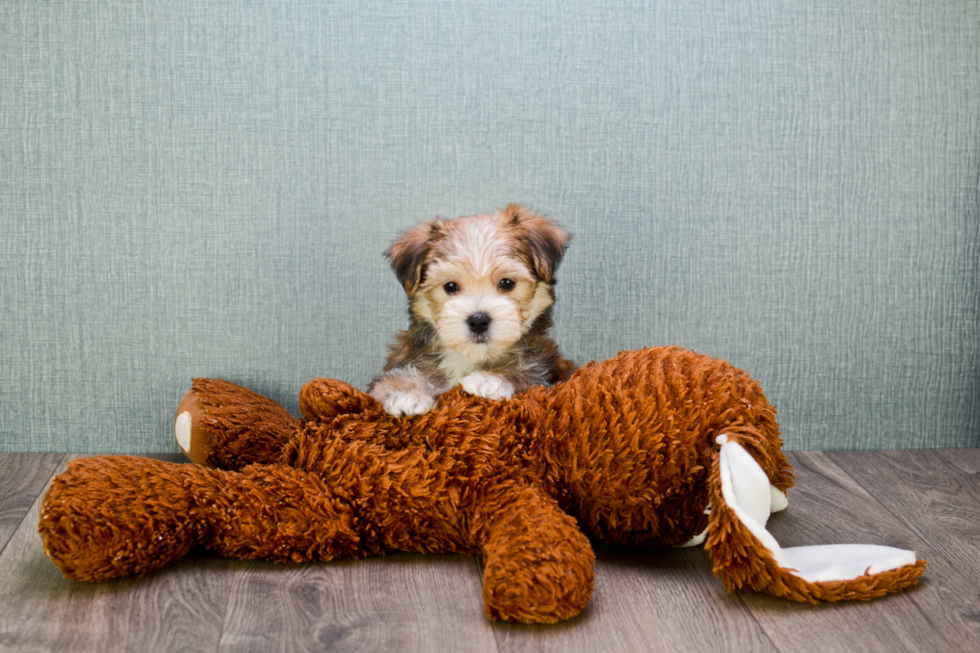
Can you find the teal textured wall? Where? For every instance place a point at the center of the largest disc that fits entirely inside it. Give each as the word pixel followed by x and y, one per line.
pixel 205 189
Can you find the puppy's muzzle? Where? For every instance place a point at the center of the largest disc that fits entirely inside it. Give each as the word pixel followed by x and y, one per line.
pixel 478 323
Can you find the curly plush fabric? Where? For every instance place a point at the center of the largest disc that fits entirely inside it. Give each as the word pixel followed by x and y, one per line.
pixel 627 448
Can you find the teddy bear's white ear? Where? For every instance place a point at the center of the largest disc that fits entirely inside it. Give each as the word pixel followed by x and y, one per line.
pixel 747 555
pixel 746 490
pixel 749 495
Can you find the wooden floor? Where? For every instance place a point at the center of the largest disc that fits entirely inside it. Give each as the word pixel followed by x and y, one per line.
pixel 657 601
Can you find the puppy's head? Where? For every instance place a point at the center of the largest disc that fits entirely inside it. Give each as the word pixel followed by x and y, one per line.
pixel 482 280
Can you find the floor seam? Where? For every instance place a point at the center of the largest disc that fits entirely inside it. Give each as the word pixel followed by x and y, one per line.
pixel 761 626
pixel 912 527
pixel 478 562
pixel 224 616
pixel 27 513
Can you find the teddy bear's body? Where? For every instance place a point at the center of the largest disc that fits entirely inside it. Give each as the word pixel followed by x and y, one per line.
pixel 629 447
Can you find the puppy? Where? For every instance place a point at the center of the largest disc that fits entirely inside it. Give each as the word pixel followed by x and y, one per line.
pixel 480 292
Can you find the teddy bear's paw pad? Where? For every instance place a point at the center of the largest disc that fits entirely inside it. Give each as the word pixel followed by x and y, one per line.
pixel 182 430
pixel 189 429
pixel 406 404
pixel 487 386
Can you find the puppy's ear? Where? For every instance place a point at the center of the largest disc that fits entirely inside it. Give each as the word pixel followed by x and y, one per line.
pixel 545 241
pixel 407 254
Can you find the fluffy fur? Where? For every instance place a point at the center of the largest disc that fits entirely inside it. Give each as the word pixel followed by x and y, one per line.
pixel 498 265
pixel 626 448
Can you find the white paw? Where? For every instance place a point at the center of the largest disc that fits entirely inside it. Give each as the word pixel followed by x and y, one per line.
pixel 487 386
pixel 404 404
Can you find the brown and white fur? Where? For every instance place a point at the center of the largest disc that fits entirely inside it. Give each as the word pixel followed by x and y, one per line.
pixel 480 290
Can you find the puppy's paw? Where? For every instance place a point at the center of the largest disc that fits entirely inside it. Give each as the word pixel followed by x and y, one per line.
pixel 406 404
pixel 487 386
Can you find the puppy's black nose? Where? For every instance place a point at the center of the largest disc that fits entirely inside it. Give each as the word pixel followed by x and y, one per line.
pixel 479 323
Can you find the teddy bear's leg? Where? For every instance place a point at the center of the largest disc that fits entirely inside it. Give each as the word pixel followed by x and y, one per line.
pixel 113 516
pixel 746 556
pixel 224 425
pixel 538 566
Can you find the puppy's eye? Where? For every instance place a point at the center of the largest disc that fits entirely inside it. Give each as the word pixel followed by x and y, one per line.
pixel 506 285
pixel 451 288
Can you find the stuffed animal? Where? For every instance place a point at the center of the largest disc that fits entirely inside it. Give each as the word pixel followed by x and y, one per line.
pixel 653 448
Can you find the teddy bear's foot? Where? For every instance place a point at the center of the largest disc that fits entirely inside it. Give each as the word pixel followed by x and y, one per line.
pixel 224 425
pixel 112 516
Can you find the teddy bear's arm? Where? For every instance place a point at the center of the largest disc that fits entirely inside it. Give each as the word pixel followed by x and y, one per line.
pixel 329 398
pixel 538 566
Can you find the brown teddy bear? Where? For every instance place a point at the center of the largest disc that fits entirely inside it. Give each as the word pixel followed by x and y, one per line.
pixel 653 448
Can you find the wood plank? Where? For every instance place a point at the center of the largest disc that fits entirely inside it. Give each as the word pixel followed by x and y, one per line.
pixel 648 601
pixel 393 603
pixel 965 464
pixel 22 478
pixel 178 607
pixel 965 460
pixel 922 492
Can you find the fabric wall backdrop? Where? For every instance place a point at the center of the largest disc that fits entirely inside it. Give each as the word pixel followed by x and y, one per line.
pixel 205 189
